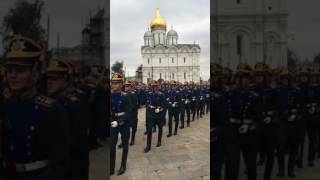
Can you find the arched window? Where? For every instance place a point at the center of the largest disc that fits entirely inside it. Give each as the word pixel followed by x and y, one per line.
pixel 172 75
pixel 184 60
pixel 160 76
pixel 159 60
pixel 148 61
pixel 172 60
pixel 239 45
pixel 185 75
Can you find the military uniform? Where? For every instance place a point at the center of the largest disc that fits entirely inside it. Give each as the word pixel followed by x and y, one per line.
pixel 135 108
pixel 245 110
pixel 36 136
pixel 155 107
pixel 120 109
pixel 268 125
pixel 174 101
pixel 291 117
pixel 224 132
pixel 78 118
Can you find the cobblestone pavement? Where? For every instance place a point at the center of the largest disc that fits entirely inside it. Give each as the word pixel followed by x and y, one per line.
pixel 306 173
pixel 99 163
pixel 182 157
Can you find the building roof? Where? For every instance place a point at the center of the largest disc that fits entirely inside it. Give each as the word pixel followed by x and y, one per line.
pixel 99 14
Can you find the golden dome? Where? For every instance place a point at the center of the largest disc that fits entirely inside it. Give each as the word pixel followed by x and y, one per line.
pixel 158 22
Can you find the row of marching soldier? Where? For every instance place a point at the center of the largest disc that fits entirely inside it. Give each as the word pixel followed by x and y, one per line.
pixel 180 103
pixel 268 116
pixel 51 117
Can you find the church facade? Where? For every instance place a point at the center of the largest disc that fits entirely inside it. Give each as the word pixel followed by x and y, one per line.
pixel 164 58
pixel 249 31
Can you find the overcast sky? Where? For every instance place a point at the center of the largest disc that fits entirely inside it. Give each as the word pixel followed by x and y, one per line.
pixel 130 19
pixel 304 23
pixel 67 17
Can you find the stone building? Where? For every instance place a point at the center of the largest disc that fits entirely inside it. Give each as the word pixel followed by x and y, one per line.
pixel 249 31
pixel 165 58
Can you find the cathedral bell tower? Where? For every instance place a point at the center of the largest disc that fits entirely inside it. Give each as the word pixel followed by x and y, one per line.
pixel 158 29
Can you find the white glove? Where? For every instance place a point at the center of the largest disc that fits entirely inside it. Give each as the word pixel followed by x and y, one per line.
pixel 292 118
pixel 186 102
pixel 157 110
pixel 243 129
pixel 114 124
pixel 267 120
pixel 312 110
pixel 173 105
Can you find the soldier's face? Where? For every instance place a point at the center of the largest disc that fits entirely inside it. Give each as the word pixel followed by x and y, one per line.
pixel 56 85
pixel 116 86
pixel 127 88
pixel 19 78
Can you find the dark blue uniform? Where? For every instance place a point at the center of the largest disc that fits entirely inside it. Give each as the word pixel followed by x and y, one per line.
pixel 245 111
pixel 174 110
pixel 36 139
pixel 154 108
pixel 120 109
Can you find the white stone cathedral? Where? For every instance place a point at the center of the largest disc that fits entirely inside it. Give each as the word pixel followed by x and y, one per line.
pixel 249 31
pixel 164 58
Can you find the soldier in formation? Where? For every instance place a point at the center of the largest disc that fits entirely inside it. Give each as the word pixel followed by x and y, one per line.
pixel 46 123
pixel 264 115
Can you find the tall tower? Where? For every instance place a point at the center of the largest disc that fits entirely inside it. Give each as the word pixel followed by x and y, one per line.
pixel 158 29
pixel 250 31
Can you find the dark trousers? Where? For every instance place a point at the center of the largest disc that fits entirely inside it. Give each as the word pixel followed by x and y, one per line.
pixel 124 130
pixel 201 108
pixel 164 114
pixel 217 160
pixel 312 136
pixel 193 109
pixel 155 122
pixel 182 114
pixel 173 114
pixel 134 125
pixel 188 111
pixel 79 168
pixel 248 147
pixel 287 142
pixel 228 153
pixel 268 138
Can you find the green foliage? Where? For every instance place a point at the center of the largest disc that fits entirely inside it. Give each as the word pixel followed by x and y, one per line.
pixel 24 19
pixel 316 59
pixel 117 67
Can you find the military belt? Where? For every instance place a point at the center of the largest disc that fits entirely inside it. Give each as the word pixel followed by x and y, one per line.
pixel 269 113
pixel 235 121
pixel 119 114
pixel 152 107
pixel 247 121
pixel 21 168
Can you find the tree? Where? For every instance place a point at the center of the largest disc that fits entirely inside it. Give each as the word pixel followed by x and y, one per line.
pixel 117 67
pixel 24 19
pixel 316 59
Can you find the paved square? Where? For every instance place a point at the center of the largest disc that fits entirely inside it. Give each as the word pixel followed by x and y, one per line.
pixel 182 157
